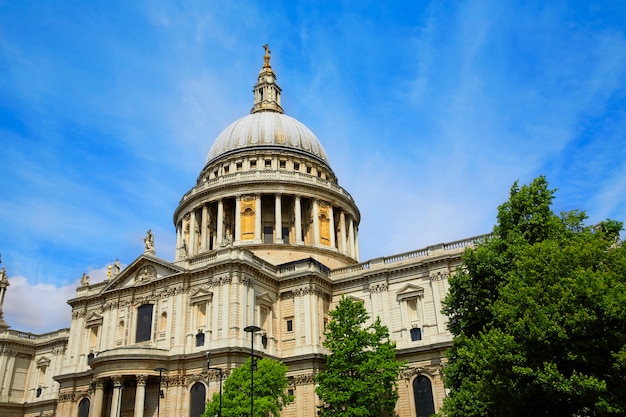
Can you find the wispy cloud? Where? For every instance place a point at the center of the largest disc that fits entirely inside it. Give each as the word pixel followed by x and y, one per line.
pixel 428 112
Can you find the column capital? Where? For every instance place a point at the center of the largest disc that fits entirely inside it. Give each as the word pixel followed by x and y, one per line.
pixel 141 379
pixel 98 383
pixel 117 379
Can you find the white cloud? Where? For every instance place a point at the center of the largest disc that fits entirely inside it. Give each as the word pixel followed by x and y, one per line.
pixel 41 308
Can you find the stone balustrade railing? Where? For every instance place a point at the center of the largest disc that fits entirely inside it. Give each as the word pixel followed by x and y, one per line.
pixel 38 338
pixel 432 250
pixel 268 175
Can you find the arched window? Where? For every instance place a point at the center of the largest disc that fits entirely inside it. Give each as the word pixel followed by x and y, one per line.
pixel 423 395
pixel 83 408
pixel 144 323
pixel 197 399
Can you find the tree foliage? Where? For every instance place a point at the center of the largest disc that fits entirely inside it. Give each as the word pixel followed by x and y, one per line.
pixel 270 395
pixel 538 316
pixel 361 373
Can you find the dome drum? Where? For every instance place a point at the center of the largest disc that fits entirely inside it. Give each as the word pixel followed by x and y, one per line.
pixel 275 226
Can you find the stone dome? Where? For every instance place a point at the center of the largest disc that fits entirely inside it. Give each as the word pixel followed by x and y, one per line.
pixel 267 130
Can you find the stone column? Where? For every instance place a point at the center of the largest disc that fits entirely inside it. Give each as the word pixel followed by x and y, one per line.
pixel 332 228
pixel 179 388
pixel 179 242
pixel 140 394
pixel 226 316
pixel 316 223
pixel 310 329
pixel 10 374
pixel 278 220
pixel 96 408
pixel 116 399
pixel 316 330
pixel 257 219
pixel 357 254
pixel 297 316
pixel 237 236
pixel 203 228
pixel 193 242
pixel 351 237
pixel 298 216
pixel 342 226
pixel 220 223
pixel 4 358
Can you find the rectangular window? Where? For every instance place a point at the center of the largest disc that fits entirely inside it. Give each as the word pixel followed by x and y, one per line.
pixel 253 163
pixel 268 163
pixel 416 334
pixel 283 164
pixel 308 170
pixel 268 234
pixel 290 325
pixel 290 392
pixel 239 166
pixel 286 235
pixel 226 169
pixel 296 166
pixel 144 323
pixel 200 339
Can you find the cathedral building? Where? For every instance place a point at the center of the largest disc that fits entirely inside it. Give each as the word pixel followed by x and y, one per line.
pixel 267 238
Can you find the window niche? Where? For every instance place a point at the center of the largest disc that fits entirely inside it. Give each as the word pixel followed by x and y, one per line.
pixel 93 324
pixel 200 302
pixel 265 301
pixel 411 304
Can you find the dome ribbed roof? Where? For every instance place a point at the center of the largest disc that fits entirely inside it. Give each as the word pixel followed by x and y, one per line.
pixel 267 130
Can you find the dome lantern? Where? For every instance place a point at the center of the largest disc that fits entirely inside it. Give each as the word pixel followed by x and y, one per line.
pixel 266 91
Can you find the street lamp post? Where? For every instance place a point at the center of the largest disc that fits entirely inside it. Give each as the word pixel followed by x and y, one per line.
pixel 252 330
pixel 208 367
pixel 160 393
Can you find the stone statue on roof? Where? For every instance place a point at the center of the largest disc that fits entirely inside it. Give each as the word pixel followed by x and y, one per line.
pixel 149 242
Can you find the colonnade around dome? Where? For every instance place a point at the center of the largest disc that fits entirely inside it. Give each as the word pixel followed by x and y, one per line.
pixel 297 223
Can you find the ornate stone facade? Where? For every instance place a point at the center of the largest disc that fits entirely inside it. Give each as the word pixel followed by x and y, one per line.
pixel 267 237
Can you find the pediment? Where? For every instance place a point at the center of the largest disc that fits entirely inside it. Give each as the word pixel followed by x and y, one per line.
pixel 410 291
pixel 43 362
pixel 265 298
pixel 356 299
pixel 200 295
pixel 142 270
pixel 94 319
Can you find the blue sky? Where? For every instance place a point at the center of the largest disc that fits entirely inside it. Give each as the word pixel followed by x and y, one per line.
pixel 428 111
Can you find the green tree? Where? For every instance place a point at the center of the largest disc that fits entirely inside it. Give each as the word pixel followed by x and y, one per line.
pixel 361 373
pixel 270 391
pixel 538 316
